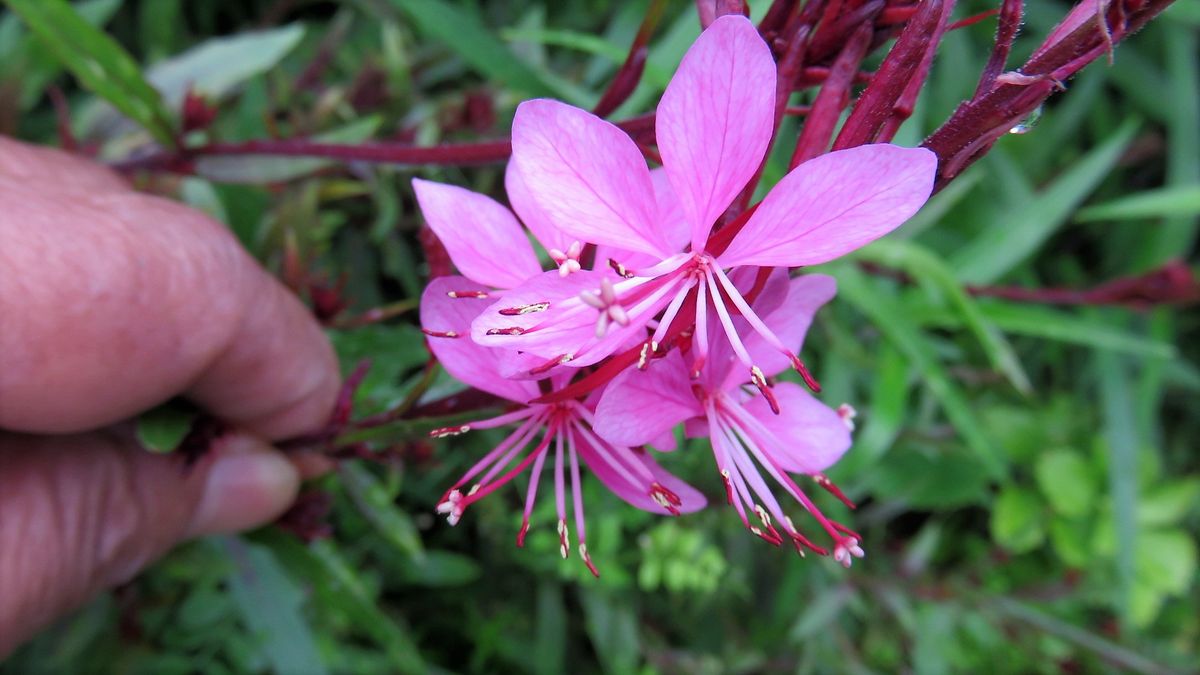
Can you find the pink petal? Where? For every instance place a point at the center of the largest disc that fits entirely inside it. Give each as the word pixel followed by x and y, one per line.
pixel 671 220
pixel 544 229
pixel 691 500
pixel 812 437
pixel 790 320
pixel 833 204
pixel 587 176
pixel 484 240
pixel 639 407
pixel 715 120
pixel 471 363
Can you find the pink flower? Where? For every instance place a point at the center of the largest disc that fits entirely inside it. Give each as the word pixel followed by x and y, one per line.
pixel 805 436
pixel 587 180
pixel 497 254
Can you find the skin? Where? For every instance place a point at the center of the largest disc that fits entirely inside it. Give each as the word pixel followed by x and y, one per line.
pixel 112 302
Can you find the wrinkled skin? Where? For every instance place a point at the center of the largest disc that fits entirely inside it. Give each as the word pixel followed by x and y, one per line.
pixel 111 302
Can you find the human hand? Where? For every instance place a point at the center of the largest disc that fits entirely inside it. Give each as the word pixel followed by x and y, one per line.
pixel 111 302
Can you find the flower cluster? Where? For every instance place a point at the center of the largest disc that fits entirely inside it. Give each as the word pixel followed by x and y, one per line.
pixel 670 319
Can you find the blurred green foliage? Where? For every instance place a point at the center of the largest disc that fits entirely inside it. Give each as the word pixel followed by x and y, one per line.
pixel 1027 476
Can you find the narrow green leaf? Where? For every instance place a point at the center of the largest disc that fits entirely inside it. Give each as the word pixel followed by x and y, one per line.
pixel 550 642
pixel 373 502
pixel 464 33
pixel 1121 437
pixel 896 326
pixel 98 62
pixel 338 586
pixel 272 605
pixel 1183 200
pixel 927 268
pixel 1000 248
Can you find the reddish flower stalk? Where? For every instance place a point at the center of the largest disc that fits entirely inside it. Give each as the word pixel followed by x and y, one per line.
pixel 820 123
pixel 1079 40
pixel 630 73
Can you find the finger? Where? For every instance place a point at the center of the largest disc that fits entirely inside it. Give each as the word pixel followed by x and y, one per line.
pixel 83 513
pixel 51 169
pixel 114 301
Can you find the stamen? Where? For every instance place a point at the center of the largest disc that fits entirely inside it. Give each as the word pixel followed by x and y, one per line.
pixel 701 336
pixel 761 328
pixel 440 333
pixel 530 496
pixel 563 534
pixel 620 269
pixel 446 432
pixel 644 356
pixel 834 490
pixel 665 498
pixel 522 310
pixel 587 560
pixel 760 381
pixel 478 295
pixel 668 317
pixel 511 330
pixel 728 486
pixel 522 532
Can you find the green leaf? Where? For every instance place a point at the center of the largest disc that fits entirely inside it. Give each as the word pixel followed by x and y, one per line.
pixel 1054 324
pixel 928 269
pixel 441 569
pixel 896 326
pixel 464 33
pixel 163 428
pixel 1071 541
pixel 272 605
pixel 1018 522
pixel 550 645
pixel 1122 442
pixel 1065 478
pixel 216 67
pixel 395 526
pixel 98 62
pixel 1008 242
pixel 1183 200
pixel 1168 503
pixel 613 629
pixel 1166 560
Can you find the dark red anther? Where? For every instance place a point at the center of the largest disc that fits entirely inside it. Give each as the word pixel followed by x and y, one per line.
pixel 665 498
pixel 459 295
pixel 441 333
pixel 548 365
pixel 619 269
pixel 809 380
pixel 512 330
pixel 832 489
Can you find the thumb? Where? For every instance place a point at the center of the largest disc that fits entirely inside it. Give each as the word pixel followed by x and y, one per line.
pixel 79 514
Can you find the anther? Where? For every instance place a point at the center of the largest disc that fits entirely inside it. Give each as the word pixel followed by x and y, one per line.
pixel 809 380
pixel 587 559
pixel 832 489
pixel 478 295
pixel 522 532
pixel 644 356
pixel 665 498
pixel 728 486
pixel 441 333
pixel 525 309
pixel 563 534
pixel 760 381
pixel 620 269
pixel 445 432
pixel 511 330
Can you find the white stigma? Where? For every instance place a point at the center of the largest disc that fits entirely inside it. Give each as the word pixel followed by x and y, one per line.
pixel 567 262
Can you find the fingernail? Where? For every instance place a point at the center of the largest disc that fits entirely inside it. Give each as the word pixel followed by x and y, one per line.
pixel 249 484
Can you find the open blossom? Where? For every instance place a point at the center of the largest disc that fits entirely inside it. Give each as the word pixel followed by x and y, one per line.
pixel 448 305
pixel 587 179
pixel 805 437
